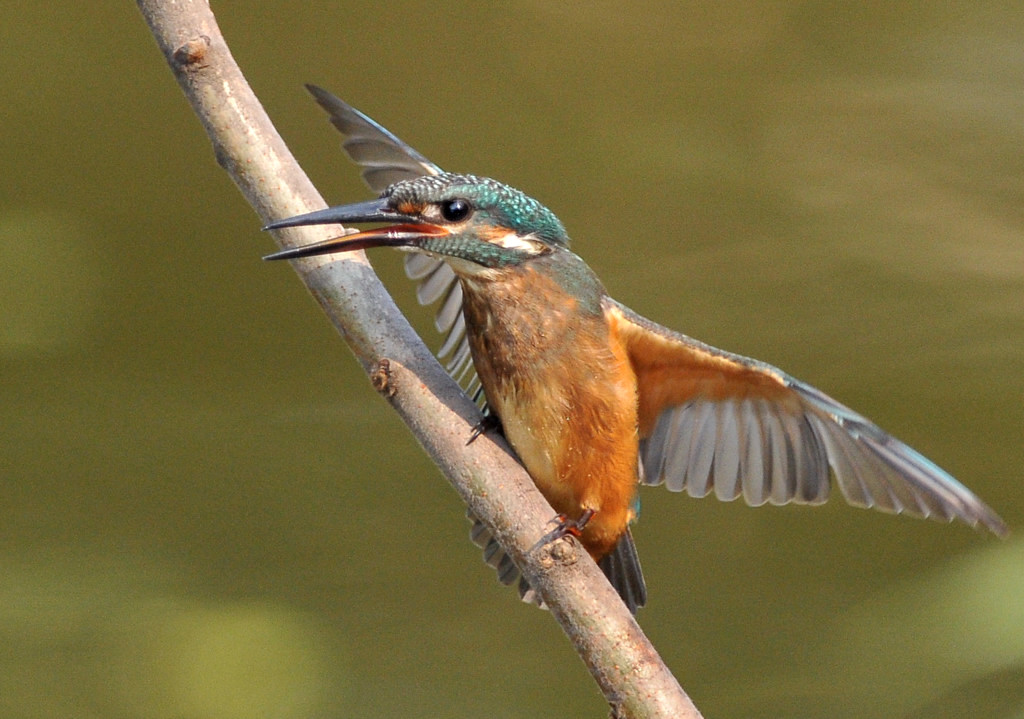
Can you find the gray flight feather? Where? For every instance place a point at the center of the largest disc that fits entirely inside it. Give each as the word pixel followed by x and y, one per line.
pixel 385 160
pixel 778 452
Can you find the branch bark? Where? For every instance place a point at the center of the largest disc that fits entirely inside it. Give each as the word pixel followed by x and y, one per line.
pixel 623 662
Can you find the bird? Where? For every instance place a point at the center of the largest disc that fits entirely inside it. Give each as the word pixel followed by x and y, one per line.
pixel 595 399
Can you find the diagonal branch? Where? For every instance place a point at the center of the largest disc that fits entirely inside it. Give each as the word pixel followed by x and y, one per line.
pixel 625 665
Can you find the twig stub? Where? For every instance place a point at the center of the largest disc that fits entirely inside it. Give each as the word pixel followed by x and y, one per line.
pixel 192 52
pixel 380 378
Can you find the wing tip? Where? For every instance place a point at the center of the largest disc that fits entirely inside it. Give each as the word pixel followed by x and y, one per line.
pixel 992 522
pixel 325 98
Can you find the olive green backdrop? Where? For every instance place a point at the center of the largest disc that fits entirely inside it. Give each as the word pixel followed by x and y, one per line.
pixel 205 511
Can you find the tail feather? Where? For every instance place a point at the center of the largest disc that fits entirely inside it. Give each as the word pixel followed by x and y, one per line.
pixel 621 566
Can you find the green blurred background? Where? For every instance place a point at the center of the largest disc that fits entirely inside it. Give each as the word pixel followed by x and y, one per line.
pixel 205 511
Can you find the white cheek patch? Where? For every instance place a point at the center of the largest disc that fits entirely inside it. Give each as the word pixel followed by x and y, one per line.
pixel 512 241
pixel 467 269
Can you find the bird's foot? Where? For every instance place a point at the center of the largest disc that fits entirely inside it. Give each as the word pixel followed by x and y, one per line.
pixel 566 525
pixel 489 423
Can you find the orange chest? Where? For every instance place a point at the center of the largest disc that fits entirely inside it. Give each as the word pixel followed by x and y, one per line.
pixel 564 390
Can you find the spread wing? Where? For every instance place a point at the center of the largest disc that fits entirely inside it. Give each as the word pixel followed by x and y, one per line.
pixel 711 421
pixel 385 160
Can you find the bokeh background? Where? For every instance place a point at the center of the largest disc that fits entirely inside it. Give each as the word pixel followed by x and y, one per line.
pixel 205 511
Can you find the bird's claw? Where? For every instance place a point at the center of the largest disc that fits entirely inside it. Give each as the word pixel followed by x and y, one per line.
pixel 568 526
pixel 489 423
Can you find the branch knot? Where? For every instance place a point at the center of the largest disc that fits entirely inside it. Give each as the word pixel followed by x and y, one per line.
pixel 192 52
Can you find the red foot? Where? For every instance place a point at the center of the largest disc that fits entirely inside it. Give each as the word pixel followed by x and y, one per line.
pixel 571 526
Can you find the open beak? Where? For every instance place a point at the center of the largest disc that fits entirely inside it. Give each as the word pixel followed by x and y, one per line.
pixel 405 234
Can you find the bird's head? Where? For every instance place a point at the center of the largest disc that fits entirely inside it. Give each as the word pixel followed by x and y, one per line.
pixel 474 223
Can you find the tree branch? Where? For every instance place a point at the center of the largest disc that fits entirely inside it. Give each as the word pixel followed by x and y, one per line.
pixel 625 665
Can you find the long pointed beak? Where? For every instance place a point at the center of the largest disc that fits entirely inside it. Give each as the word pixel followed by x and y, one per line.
pixel 405 234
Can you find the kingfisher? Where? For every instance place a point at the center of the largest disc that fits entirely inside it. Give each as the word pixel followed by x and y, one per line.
pixel 595 399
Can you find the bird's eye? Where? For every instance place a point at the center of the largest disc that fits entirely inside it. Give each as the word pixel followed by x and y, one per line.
pixel 455 210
